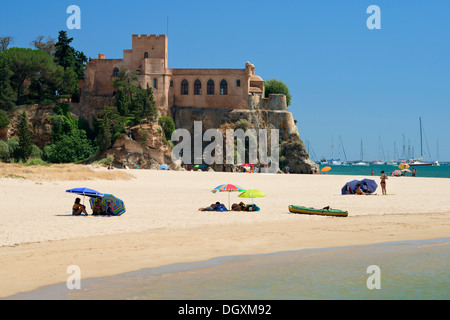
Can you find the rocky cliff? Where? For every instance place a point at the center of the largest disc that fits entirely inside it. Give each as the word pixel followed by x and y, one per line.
pixel 264 113
pixel 145 146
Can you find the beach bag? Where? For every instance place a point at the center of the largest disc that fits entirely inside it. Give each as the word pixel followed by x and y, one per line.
pixel 253 207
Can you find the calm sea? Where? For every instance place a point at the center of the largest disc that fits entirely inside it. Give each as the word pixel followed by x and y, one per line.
pixel 403 271
pixel 442 171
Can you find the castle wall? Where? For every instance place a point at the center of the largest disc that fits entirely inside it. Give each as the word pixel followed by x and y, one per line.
pixel 235 98
pixel 149 57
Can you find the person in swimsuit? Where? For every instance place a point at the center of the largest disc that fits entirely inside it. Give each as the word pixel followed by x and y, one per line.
pixel 383 182
pixel 98 210
pixel 358 190
pixel 78 208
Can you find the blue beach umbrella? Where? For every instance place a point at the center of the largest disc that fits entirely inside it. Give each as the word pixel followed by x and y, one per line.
pixel 164 167
pixel 367 186
pixel 86 192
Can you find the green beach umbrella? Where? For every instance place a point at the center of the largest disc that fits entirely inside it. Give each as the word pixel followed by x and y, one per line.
pixel 252 193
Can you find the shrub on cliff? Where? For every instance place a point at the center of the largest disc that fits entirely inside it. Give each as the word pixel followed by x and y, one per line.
pixel 275 86
pixel 168 127
pixel 72 147
pixel 69 142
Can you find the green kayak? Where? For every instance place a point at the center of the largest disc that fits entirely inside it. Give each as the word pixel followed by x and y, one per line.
pixel 324 212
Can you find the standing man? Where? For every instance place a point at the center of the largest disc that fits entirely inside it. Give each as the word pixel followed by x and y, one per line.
pixel 383 179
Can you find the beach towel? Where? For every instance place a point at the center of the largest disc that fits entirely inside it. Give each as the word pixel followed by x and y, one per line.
pixel 221 208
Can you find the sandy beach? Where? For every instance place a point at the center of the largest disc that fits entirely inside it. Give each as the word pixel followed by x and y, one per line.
pixel 162 225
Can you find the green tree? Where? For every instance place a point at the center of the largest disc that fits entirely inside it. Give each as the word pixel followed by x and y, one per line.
pixel 4 119
pixel 7 95
pixel 168 126
pixel 145 106
pixel 275 86
pixel 72 147
pixel 122 101
pixel 26 64
pixel 104 138
pixel 4 151
pixel 25 138
pixel 110 126
pixel 64 53
pixel 69 142
pixel 67 57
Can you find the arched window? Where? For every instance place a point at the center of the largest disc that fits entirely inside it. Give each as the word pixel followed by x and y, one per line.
pixel 184 88
pixel 210 88
pixel 223 88
pixel 197 88
pixel 146 55
pixel 116 72
pixel 155 83
pixel 238 83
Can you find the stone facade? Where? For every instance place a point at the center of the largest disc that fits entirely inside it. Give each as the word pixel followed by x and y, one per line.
pixel 201 88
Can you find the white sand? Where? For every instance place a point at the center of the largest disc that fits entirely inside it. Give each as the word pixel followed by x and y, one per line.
pixel 162 224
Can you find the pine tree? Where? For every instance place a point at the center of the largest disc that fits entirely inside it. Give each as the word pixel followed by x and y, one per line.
pixel 25 139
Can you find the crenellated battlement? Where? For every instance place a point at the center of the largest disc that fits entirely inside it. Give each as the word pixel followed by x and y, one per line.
pixel 151 36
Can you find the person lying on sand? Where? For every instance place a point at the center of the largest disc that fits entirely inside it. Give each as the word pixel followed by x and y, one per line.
pixel 239 207
pixel 210 208
pixel 78 208
pixel 215 207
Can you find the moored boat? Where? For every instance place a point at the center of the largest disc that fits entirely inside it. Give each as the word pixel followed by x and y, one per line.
pixel 323 212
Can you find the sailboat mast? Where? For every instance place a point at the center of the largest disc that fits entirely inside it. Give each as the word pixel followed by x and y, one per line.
pixel 362 153
pixel 342 145
pixel 421 149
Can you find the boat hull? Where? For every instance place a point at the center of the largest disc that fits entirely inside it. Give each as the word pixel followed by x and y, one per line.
pixel 321 212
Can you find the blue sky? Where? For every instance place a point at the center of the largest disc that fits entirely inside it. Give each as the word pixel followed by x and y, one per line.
pixel 347 82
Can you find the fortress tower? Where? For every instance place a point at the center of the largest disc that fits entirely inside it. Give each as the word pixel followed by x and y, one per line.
pixel 201 88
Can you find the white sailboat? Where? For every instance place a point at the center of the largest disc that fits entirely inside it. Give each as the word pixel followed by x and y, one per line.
pixel 419 162
pixel 380 152
pixel 361 163
pixel 393 162
pixel 436 163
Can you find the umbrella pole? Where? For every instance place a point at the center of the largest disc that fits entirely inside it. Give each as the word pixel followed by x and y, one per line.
pixel 229 205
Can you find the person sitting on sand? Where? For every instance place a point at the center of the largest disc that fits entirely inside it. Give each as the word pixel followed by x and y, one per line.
pixel 358 190
pixel 98 210
pixel 78 208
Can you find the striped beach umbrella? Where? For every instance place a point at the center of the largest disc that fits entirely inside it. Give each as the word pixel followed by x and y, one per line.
pixel 111 204
pixel 228 188
pixel 86 192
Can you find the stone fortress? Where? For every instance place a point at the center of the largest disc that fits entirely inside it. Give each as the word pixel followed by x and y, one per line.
pixel 213 96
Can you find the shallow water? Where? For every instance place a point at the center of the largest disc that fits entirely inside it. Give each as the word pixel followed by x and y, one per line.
pixel 407 270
